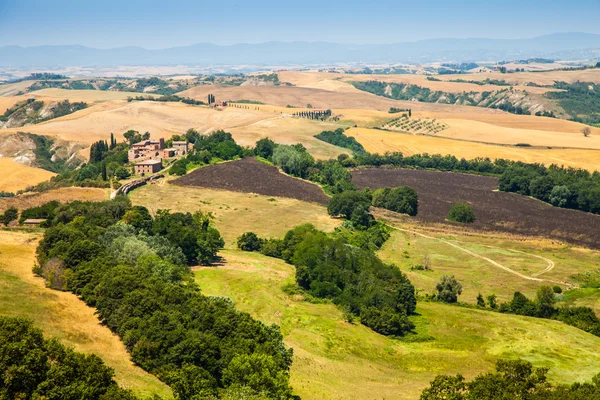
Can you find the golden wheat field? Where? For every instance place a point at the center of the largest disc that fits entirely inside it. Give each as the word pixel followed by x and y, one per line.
pixel 378 141
pixel 15 176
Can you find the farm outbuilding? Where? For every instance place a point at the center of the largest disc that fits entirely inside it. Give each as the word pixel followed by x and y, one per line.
pixel 148 167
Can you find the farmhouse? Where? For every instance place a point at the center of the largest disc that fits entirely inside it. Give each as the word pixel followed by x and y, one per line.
pixel 181 147
pixel 148 167
pixel 168 153
pixel 146 150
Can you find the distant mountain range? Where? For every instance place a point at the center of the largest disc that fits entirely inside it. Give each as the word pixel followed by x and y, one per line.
pixel 558 46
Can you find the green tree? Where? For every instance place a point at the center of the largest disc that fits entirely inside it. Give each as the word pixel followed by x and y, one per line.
pixel 258 372
pixel 103 171
pixel 264 148
pixel 461 212
pixel 545 302
pixel 343 204
pixel 480 301
pixel 122 173
pixel 249 242
pixel 492 301
pixel 9 215
pixel 448 289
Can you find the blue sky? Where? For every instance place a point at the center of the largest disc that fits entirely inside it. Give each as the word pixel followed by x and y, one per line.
pixel 159 24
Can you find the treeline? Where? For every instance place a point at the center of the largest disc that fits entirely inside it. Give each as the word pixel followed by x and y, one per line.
pixel 337 138
pixel 168 98
pixel 486 81
pixel 33 367
pixel 317 115
pixel 212 148
pixel 41 76
pixel 353 278
pixel 513 379
pixel 132 268
pixel 563 187
pixel 462 66
pixel 543 306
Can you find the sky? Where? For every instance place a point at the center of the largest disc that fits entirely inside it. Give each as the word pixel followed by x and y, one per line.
pixel 161 24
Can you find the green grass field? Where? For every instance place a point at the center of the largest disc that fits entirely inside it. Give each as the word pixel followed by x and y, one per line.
pixel 63 316
pixel 407 249
pixel 334 359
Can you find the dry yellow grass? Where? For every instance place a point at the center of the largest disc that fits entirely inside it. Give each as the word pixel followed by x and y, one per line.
pixel 236 213
pixel 62 195
pixel 378 141
pixel 15 176
pixel 341 82
pixel 319 98
pixel 63 315
pixel 84 95
pixel 11 89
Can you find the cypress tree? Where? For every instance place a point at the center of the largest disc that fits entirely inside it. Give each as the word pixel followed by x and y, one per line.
pixel 104 176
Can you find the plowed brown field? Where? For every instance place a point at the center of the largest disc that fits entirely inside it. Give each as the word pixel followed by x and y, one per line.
pixel 250 176
pixel 499 211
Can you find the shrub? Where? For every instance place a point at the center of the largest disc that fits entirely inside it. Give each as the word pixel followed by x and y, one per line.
pixel 557 289
pixel 448 289
pixel 402 199
pixel 344 204
pixel 9 216
pixel 249 242
pixel 461 212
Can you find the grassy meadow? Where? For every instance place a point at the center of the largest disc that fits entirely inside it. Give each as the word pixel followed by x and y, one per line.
pixel 336 359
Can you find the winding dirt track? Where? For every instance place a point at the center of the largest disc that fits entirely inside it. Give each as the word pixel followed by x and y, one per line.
pixel 548 268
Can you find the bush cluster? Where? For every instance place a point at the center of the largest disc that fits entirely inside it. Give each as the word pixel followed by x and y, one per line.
pixel 355 279
pixel 32 367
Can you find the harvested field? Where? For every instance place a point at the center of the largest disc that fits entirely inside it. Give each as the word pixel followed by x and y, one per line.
pixel 62 195
pixel 250 176
pixel 508 212
pixel 15 176
pixel 379 141
pixel 319 98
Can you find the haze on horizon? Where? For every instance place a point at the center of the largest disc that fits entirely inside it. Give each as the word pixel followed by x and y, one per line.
pixel 153 25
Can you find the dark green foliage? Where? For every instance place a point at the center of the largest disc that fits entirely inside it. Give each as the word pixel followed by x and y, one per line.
pixel 136 278
pixel 461 212
pixel 337 138
pixel 557 289
pixel 42 76
pixel 32 367
pixel 134 136
pixel 194 234
pixel 4 195
pixel 264 148
pixel 9 215
pixel 168 98
pixel 328 266
pixel 249 242
pixel 581 100
pixel 45 211
pixel 220 144
pixel 402 199
pixel 480 301
pixel 179 167
pixel 293 160
pixel 448 289
pixel 344 204
pixel 512 380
